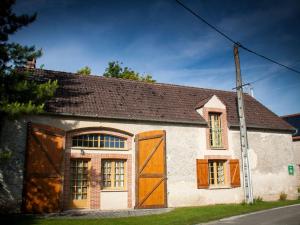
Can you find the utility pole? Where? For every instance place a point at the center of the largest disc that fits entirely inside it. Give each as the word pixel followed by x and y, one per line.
pixel 243 129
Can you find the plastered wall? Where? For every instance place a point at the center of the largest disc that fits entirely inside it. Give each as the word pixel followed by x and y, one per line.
pixel 270 154
pixel 296 149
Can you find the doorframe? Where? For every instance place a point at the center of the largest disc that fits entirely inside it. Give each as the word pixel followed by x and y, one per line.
pixel 136 140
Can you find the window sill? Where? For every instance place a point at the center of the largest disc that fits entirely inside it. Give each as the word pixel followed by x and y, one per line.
pixel 217 148
pixel 114 190
pixel 219 187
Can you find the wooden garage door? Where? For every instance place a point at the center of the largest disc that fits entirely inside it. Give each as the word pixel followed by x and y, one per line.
pixel 43 178
pixel 151 183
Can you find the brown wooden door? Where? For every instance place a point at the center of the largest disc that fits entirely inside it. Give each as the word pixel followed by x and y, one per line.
pixel 43 169
pixel 151 183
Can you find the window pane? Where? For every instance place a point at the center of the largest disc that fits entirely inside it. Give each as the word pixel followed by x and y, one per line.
pixel 217 172
pixel 96 143
pixel 92 140
pixel 215 130
pixel 106 173
pixel 79 177
pixel 101 144
pixel 113 173
pixel 74 142
pixel 106 138
pixel 211 173
pixel 111 144
pixel 85 143
pixel 220 173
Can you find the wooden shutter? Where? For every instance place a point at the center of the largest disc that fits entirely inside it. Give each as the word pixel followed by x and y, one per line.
pixel 235 173
pixel 43 169
pixel 202 173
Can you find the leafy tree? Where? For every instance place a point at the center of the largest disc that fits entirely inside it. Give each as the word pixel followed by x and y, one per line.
pixel 19 92
pixel 115 69
pixel 84 71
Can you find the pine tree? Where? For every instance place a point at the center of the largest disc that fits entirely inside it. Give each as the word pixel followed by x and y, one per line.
pixel 19 93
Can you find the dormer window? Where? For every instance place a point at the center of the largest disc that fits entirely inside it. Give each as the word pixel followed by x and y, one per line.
pixel 99 141
pixel 215 130
pixel 213 110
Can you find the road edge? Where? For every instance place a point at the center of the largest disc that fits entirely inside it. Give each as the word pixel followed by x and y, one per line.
pixel 247 214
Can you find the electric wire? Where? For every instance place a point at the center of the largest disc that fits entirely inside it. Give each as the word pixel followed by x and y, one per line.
pixel 233 41
pixel 268 76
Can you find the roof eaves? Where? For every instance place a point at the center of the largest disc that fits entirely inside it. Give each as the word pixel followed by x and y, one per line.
pixel 128 118
pixel 290 130
pixel 291 115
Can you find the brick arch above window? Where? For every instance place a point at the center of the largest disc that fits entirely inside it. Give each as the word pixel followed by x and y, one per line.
pixel 103 131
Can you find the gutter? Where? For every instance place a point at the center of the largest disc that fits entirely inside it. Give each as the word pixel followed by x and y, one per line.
pixel 262 128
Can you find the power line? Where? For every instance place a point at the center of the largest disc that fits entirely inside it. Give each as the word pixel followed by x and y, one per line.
pixel 204 21
pixel 271 60
pixel 268 76
pixel 231 40
pixel 262 78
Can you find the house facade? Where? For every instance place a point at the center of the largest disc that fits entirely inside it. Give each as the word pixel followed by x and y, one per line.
pixel 108 143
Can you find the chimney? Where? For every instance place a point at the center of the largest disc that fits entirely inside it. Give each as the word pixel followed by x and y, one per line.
pixel 31 64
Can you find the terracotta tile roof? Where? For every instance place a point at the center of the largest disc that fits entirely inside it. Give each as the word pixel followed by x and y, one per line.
pixel 202 102
pixel 97 96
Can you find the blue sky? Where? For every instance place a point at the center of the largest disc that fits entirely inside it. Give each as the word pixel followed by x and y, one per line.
pixel 160 38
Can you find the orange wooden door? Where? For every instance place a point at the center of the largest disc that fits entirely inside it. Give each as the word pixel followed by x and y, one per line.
pixel 43 169
pixel 80 193
pixel 151 183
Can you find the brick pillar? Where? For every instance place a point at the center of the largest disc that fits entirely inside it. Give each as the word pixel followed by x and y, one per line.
pixel 95 188
pixel 66 184
pixel 129 178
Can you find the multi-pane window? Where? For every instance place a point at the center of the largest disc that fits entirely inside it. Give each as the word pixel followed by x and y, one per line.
pixel 79 179
pixel 113 174
pixel 102 141
pixel 215 130
pixel 217 172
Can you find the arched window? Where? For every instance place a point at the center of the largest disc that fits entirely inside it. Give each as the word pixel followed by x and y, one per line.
pixel 100 141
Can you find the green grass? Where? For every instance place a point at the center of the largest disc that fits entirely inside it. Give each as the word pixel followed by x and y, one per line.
pixel 179 216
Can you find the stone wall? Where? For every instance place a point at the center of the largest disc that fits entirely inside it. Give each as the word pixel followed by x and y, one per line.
pixel 13 139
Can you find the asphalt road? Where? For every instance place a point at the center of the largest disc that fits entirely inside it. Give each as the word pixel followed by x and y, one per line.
pixel 281 216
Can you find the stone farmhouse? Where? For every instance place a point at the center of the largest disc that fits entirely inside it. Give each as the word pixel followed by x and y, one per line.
pixel 107 143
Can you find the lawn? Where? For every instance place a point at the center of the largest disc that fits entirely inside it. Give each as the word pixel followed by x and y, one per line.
pixel 179 216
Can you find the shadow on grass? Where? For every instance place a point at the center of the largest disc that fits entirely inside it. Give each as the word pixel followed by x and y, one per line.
pixel 17 219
